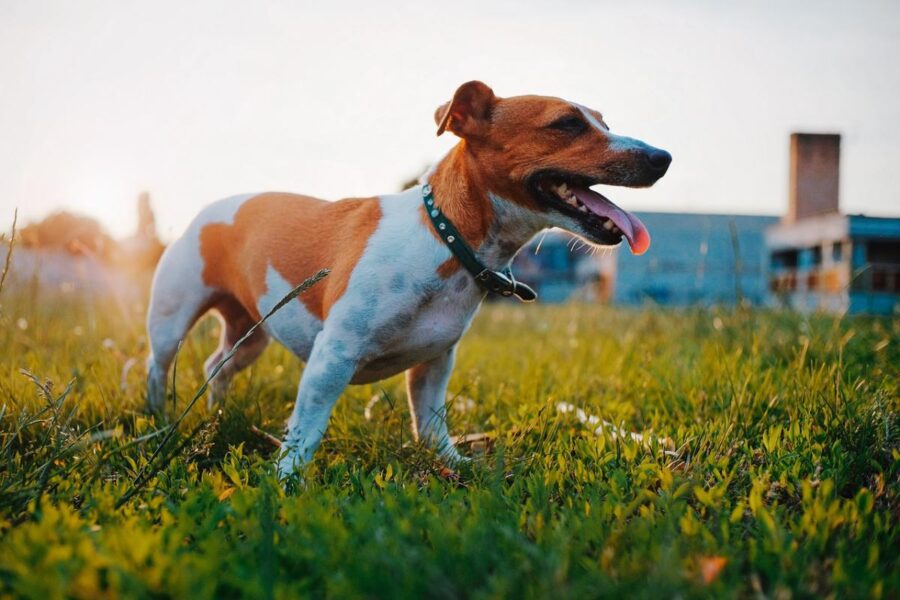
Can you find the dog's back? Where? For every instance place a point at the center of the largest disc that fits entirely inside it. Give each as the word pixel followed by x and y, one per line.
pixel 296 235
pixel 225 261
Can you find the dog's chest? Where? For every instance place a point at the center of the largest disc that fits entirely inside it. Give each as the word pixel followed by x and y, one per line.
pixel 419 327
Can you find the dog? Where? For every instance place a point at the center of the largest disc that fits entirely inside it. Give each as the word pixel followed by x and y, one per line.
pixel 398 297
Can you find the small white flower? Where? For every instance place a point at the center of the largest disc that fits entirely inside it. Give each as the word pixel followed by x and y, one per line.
pixel 463 404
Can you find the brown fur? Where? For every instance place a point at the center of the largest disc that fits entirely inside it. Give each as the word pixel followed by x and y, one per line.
pixel 297 235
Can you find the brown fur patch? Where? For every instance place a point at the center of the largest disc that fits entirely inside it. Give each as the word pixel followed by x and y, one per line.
pixel 448 267
pixel 297 235
pixel 463 198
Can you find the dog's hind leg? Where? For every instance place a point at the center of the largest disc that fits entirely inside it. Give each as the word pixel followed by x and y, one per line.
pixel 426 386
pixel 236 323
pixel 177 299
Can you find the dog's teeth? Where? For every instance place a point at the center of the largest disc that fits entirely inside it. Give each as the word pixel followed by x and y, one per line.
pixel 571 201
pixel 608 225
pixel 582 208
pixel 563 189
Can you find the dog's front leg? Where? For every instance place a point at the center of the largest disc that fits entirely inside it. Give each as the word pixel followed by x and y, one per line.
pixel 328 371
pixel 426 386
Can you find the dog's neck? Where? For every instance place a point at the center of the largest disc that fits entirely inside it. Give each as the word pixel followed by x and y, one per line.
pixel 495 227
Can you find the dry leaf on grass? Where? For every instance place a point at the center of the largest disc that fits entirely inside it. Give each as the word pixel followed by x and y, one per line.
pixel 711 567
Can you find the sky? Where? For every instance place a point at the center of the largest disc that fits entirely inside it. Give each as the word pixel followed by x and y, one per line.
pixel 195 101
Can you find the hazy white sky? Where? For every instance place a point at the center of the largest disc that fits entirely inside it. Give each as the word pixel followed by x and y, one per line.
pixel 194 101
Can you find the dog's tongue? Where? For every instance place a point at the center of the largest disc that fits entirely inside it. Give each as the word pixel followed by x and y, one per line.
pixel 635 232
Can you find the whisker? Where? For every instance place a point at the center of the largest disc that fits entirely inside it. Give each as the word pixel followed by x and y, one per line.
pixel 541 241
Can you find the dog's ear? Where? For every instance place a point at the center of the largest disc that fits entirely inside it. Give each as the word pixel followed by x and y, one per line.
pixel 468 115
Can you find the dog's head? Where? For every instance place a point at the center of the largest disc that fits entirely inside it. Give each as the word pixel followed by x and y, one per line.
pixel 545 153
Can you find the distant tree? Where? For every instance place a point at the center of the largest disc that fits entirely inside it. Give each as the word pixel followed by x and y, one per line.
pixel 79 235
pixel 71 233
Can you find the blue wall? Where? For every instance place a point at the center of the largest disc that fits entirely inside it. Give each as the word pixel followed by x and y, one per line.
pixel 692 261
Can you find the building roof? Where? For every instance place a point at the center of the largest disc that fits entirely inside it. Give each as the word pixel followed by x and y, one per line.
pixel 874 227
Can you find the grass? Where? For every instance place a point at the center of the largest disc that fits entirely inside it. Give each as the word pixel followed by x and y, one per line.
pixel 781 481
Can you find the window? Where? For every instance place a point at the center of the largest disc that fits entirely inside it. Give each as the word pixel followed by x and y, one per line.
pixel 887 252
pixel 810 257
pixel 784 259
pixel 816 255
pixel 884 262
pixel 837 252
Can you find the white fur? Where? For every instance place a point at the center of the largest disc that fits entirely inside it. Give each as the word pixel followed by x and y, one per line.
pixel 617 143
pixel 621 143
pixel 293 326
pixel 178 293
pixel 591 118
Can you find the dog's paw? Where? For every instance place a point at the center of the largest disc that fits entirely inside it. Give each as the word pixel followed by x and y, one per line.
pixel 290 467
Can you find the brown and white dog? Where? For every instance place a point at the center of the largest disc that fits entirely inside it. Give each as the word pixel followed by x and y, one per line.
pixel 396 299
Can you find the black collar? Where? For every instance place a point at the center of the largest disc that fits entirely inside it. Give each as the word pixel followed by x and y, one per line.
pixel 498 282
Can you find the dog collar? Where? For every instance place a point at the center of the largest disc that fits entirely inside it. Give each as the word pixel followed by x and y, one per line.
pixel 497 282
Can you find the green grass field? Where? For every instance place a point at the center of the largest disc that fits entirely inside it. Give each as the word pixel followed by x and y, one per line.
pixel 781 480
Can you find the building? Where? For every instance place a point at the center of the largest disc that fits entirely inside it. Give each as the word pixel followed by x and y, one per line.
pixel 694 259
pixel 820 259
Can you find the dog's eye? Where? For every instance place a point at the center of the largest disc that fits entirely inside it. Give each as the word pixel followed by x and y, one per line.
pixel 568 125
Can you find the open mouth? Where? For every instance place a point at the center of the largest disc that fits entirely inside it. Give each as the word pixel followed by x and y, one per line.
pixel 603 221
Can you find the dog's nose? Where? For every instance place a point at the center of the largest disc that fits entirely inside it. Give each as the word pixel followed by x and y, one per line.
pixel 659 161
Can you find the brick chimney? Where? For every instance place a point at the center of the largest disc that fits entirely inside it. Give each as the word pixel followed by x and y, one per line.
pixel 815 163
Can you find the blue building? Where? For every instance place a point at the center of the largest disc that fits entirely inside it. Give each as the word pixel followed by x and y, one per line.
pixel 693 259
pixel 696 259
